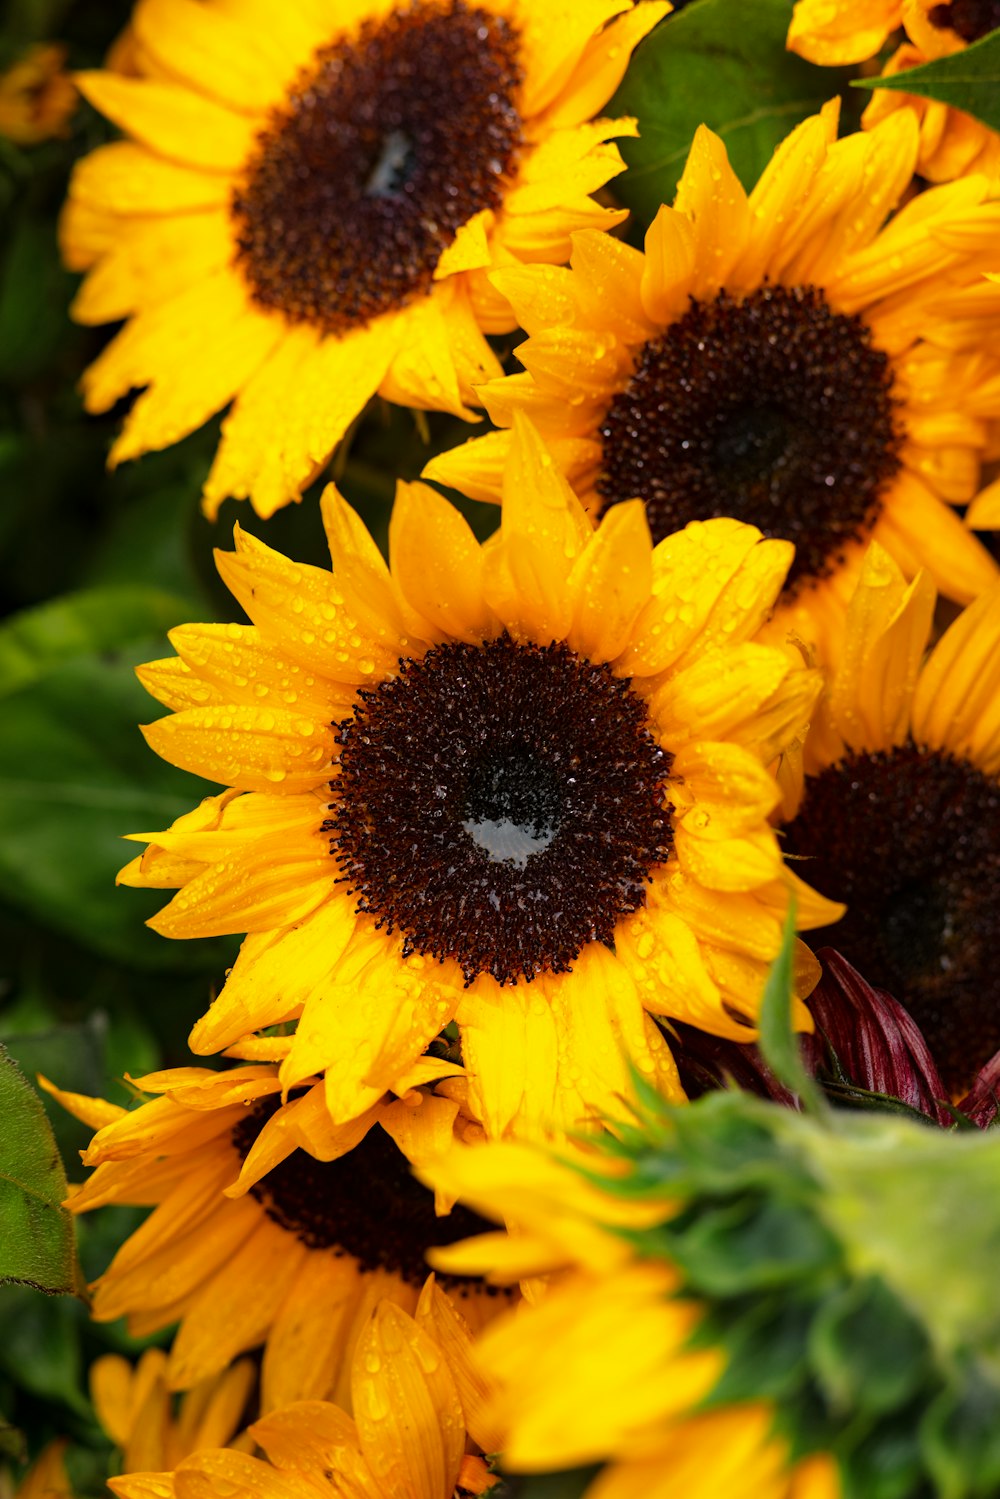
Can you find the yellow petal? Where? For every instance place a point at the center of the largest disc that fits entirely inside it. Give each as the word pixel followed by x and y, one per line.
pixel 236 1305
pixel 361 572
pixel 292 413
pixel 833 35
pixel 193 350
pixel 203 47
pixel 610 583
pixel 444 1323
pixel 470 248
pixel 437 563
pixel 241 662
pixel 602 65
pixel 781 191
pixel 957 702
pixel 96 1112
pixel 710 195
pixel 307 1434
pixel 125 178
pixel 173 121
pixel 274 976
pixel 305 1346
pixel 668 272
pixel 542 530
pixel 372 1017
pixel 304 612
pixel 222 1475
pixel 407 1409
pixel 888 625
pixel 251 748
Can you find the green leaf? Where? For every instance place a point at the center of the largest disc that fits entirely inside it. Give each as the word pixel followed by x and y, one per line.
pixel 73 1056
pixel 720 63
pixel 35 292
pixel 778 1043
pixel 968 80
pixel 75 776
pixel 40 1345
pixel 37 1246
pixel 37 641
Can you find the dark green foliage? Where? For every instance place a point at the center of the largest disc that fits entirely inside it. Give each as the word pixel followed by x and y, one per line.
pixel 720 63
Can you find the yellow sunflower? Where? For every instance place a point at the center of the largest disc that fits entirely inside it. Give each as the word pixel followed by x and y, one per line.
pixel 37 97
pixel 900 814
pixel 307 202
pixel 601 1367
pixel 952 144
pixel 409 1437
pixel 155 1430
pixel 521 786
pixel 270 1225
pixel 788 359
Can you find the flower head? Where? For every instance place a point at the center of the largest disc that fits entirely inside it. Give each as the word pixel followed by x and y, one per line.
pixel 270 1226
pixel 900 812
pixel 790 359
pixel 303 215
pixel 522 786
pixel 37 97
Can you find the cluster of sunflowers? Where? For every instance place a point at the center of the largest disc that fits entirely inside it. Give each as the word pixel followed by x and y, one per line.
pixel 508 1160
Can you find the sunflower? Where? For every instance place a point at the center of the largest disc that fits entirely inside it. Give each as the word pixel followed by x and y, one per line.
pixel 37 97
pixel 900 813
pixel 135 1407
pixel 270 1226
pixel 784 359
pixel 952 144
pixel 408 1438
pixel 602 1367
pixel 304 209
pixel 518 786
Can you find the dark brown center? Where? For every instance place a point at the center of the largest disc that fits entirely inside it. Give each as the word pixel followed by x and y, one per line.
pixel 500 805
pixel 395 137
pixel 774 410
pixel 367 1204
pixel 971 19
pixel 910 840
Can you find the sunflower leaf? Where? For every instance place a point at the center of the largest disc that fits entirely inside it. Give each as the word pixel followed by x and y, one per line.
pixel 75 776
pixel 38 640
pixel 720 63
pixel 968 80
pixel 37 1243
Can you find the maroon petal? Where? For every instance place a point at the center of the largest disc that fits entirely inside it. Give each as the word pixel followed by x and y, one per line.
pixel 874 1042
pixel 981 1102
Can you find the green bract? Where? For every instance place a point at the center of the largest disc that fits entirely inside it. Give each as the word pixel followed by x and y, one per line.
pixel 847 1263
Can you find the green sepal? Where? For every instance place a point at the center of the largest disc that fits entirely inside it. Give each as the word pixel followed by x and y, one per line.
pixel 866 1350
pixel 960 1437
